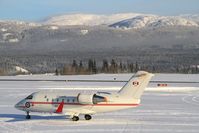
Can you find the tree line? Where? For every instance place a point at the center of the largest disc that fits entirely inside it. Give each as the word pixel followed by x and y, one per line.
pixel 92 66
pixel 113 66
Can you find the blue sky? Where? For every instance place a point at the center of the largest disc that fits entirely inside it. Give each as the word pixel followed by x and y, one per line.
pixel 34 10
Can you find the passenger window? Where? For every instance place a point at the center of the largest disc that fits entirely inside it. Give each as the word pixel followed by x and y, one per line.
pixel 45 96
pixel 73 100
pixel 47 99
pixel 29 97
pixel 68 100
pixel 62 100
pixel 57 100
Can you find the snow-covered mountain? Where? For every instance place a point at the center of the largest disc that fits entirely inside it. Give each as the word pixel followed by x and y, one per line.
pixel 87 19
pixel 46 45
pixel 12 31
pixel 192 17
pixel 149 21
pixel 121 20
pixel 16 31
pixel 124 20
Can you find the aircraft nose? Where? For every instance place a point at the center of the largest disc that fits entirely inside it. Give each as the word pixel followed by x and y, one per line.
pixel 17 105
pixel 20 105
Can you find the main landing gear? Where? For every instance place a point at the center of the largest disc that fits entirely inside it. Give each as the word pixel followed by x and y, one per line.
pixel 87 117
pixel 28 115
pixel 75 118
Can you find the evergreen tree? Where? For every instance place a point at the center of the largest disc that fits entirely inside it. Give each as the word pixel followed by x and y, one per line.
pixel 121 67
pixel 197 70
pixel 56 72
pixel 94 68
pixel 90 66
pixel 113 67
pixel 74 67
pixel 74 64
pixel 137 66
pixel 80 64
pixel 154 69
pixel 105 66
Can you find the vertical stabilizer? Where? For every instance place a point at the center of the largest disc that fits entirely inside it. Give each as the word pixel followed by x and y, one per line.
pixel 136 85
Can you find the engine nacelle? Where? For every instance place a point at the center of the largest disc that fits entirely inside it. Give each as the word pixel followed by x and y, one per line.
pixel 90 98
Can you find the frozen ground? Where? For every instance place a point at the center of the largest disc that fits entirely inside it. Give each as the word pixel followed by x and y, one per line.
pixel 159 112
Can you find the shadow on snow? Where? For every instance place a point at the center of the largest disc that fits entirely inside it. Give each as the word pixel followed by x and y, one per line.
pixel 21 117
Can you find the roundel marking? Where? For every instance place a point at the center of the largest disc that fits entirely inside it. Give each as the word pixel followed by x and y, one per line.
pixel 27 104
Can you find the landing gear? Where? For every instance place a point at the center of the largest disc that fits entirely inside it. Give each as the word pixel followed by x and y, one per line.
pixel 87 117
pixel 28 116
pixel 75 118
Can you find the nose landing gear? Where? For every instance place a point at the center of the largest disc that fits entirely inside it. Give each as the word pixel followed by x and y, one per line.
pixel 28 116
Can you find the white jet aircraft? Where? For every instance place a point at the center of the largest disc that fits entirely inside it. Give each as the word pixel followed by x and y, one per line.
pixel 87 103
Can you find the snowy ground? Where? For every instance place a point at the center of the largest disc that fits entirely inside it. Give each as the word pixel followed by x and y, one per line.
pixel 160 111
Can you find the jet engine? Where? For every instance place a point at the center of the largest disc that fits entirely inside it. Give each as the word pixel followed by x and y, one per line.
pixel 90 98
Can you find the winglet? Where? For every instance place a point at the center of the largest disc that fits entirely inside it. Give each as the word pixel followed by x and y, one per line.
pixel 60 108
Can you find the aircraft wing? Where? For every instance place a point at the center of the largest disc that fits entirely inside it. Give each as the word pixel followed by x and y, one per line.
pixel 68 111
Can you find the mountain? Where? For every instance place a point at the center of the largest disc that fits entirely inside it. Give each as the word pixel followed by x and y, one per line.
pixel 192 17
pixel 124 21
pixel 87 19
pixel 163 41
pixel 152 21
pixel 16 31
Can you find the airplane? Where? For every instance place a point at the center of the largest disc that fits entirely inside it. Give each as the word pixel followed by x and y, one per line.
pixel 87 103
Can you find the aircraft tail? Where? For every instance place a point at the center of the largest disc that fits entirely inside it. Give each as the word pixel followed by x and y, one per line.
pixel 136 85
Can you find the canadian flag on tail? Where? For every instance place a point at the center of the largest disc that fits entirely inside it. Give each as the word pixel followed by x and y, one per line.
pixel 135 83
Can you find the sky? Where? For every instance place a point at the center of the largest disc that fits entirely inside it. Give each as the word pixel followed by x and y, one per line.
pixel 35 10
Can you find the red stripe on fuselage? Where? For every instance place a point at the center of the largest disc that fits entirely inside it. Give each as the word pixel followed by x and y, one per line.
pixel 105 104
pixel 21 106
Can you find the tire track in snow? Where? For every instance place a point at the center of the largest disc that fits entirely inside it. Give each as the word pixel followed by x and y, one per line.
pixel 191 99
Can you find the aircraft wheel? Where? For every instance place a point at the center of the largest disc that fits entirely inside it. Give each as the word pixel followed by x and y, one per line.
pixel 87 117
pixel 75 118
pixel 28 116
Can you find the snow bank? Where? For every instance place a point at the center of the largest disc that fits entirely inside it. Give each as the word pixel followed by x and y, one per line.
pixel 20 69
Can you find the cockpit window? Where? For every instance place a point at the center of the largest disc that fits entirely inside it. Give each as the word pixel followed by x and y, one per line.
pixel 29 97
